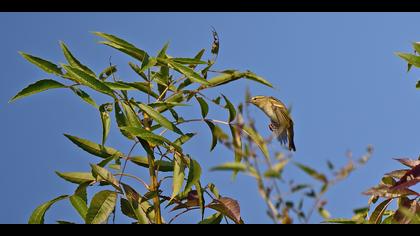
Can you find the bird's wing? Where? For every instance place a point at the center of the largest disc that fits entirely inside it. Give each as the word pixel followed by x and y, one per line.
pixel 284 129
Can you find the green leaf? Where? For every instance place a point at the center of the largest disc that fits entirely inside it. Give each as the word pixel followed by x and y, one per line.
pixel 251 76
pixel 144 87
pixel 38 214
pixel 79 200
pixel 88 80
pixel 377 214
pixel 101 207
pixel 139 207
pixel 184 138
pixel 275 171
pixel 37 87
pixel 214 219
pixel 200 195
pixel 119 86
pixel 108 72
pixel 231 108
pixel 231 166
pixel 313 173
pixel 127 209
pixel 105 176
pixel 204 106
pixel 106 121
pixel 79 205
pixel 94 148
pixel 45 65
pixel 122 45
pixel 410 58
pixel 83 95
pixel 73 61
pixel 76 177
pixel 159 118
pixel 213 131
pixel 138 71
pixel 256 137
pixel 188 72
pixel 237 144
pixel 131 116
pixel 188 61
pixel 164 166
pixel 122 120
pixel 194 175
pixel 178 175
pixel 340 221
pixel 416 46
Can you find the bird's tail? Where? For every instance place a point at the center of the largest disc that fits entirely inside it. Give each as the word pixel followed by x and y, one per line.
pixel 290 134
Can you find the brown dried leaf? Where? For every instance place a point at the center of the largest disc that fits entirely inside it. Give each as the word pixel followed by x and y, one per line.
pixel 229 207
pixel 410 178
pixel 385 191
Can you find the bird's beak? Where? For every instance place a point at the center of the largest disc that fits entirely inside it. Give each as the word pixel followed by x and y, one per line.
pixel 249 101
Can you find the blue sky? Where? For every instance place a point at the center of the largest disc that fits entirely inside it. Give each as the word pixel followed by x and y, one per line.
pixel 338 70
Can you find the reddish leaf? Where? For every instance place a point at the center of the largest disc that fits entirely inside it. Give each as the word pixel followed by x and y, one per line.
pixel 229 207
pixel 410 178
pixel 408 162
pixel 398 174
pixel 385 191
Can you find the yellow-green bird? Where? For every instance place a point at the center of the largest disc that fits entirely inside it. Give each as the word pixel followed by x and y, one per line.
pixel 281 122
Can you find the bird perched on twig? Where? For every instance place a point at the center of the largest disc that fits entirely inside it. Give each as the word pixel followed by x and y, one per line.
pixel 281 123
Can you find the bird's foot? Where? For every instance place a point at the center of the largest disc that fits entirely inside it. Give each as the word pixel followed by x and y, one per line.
pixel 271 127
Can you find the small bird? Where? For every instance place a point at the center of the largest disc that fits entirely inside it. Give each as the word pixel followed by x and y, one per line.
pixel 281 123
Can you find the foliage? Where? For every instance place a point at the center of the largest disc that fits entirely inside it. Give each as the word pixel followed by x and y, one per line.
pixel 395 185
pixel 168 83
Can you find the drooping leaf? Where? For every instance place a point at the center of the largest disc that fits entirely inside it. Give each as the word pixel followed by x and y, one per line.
pixel 159 118
pixel 178 175
pixel 144 87
pixel 83 95
pixel 231 108
pixel 386 191
pixel 194 175
pixel 79 200
pixel 38 214
pixel 213 131
pixel 121 119
pixel 136 69
pixel 94 148
pixel 204 106
pixel 88 80
pixel 257 139
pixel 45 65
pixel 251 76
pixel 105 175
pixel 228 207
pixel 184 138
pixel 101 206
pixel 73 60
pixel 37 87
pixel 76 177
pixel 106 121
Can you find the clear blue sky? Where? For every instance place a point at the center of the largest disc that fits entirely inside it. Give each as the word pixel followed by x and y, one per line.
pixel 338 70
